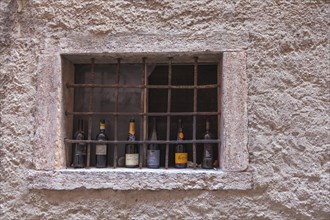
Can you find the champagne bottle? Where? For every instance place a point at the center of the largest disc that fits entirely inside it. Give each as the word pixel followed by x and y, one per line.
pixel 131 149
pixel 153 152
pixel 208 149
pixel 181 155
pixel 101 148
pixel 79 151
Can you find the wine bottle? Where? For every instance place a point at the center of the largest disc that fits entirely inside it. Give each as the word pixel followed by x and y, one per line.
pixel 208 148
pixel 181 155
pixel 131 149
pixel 101 148
pixel 153 151
pixel 79 151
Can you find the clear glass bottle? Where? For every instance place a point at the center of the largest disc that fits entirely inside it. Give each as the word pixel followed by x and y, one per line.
pixel 208 148
pixel 79 150
pixel 153 151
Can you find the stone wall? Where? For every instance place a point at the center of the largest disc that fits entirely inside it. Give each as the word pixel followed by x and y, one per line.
pixel 287 49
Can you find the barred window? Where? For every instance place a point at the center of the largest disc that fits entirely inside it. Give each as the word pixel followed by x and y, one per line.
pixel 167 87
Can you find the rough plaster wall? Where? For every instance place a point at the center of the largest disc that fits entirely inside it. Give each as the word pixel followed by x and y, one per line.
pixel 288 64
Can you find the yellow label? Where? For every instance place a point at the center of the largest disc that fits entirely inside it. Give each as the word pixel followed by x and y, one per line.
pixel 181 158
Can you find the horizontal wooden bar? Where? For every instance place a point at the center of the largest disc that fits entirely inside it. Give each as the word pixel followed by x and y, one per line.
pixel 72 85
pixel 104 113
pixel 210 86
pixel 147 114
pixel 202 141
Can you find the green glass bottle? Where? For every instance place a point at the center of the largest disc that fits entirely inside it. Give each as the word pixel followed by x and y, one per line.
pixel 101 148
pixel 131 149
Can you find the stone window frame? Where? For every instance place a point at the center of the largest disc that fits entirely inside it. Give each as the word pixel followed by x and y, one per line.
pixel 49 156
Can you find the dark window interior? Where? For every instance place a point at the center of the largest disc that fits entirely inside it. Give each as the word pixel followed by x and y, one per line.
pixel 129 100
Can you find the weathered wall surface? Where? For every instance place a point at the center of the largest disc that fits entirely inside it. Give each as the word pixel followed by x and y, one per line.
pixel 288 106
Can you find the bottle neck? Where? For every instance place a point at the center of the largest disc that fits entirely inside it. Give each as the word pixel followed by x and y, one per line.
pixel 131 132
pixel 207 126
pixel 81 126
pixel 102 126
pixel 180 131
pixel 131 128
pixel 154 131
pixel 180 135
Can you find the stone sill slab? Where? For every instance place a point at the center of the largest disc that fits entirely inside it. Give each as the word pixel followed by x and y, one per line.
pixel 140 179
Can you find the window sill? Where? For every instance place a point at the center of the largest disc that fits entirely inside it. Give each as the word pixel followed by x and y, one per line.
pixel 140 179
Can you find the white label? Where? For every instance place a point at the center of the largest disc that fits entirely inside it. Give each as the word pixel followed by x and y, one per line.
pixel 101 149
pixel 131 159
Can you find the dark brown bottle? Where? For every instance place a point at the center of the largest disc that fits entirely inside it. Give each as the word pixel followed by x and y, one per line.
pixel 153 151
pixel 79 150
pixel 101 148
pixel 208 148
pixel 131 149
pixel 181 155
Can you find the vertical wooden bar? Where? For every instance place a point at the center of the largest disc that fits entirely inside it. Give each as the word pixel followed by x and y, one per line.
pixel 89 138
pixel 143 127
pixel 168 124
pixel 90 108
pixel 115 150
pixel 219 77
pixel 145 110
pixel 195 109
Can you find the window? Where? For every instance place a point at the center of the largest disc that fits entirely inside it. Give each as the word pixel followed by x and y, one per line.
pixel 168 88
pixel 55 113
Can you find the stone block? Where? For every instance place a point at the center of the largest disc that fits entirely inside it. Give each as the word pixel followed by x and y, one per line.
pixel 234 121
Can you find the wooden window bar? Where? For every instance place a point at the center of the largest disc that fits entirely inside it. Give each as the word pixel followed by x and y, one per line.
pixel 73 85
pixel 219 78
pixel 141 114
pixel 195 110
pixel 144 114
pixel 90 119
pixel 115 150
pixel 168 119
pixel 144 117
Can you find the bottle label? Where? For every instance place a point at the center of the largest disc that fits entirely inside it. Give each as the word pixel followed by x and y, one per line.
pixel 153 157
pixel 131 159
pixel 208 151
pixel 181 158
pixel 101 149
